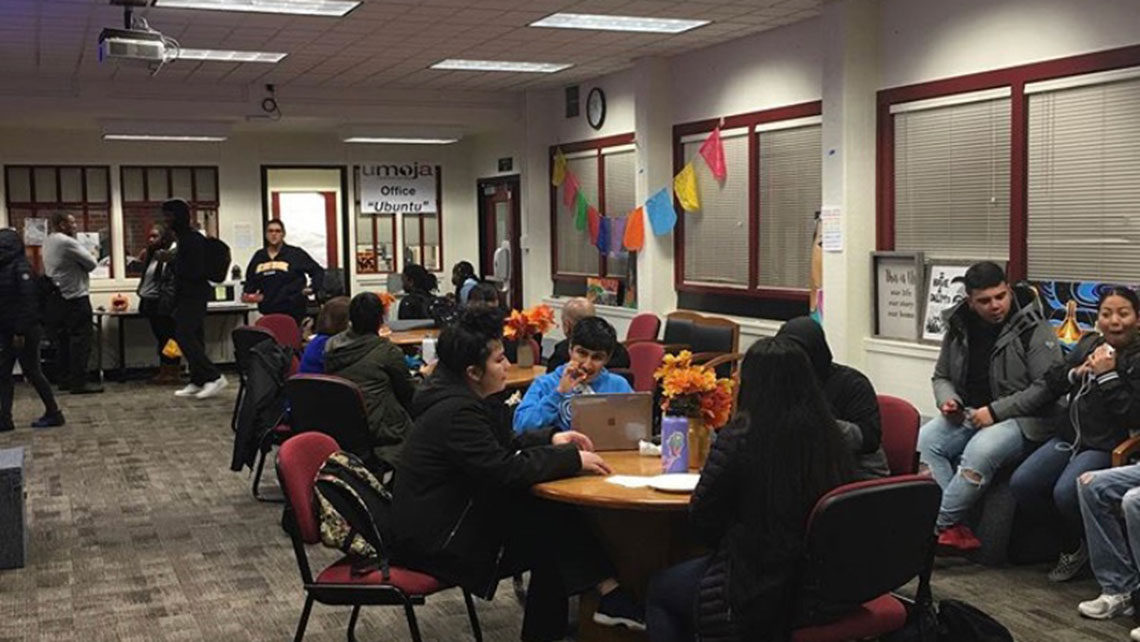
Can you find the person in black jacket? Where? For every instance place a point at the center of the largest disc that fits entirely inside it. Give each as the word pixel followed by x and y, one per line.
pixel 765 472
pixel 850 396
pixel 21 331
pixel 191 293
pixel 1101 377
pixel 156 298
pixel 462 509
pixel 419 287
pixel 276 277
pixel 574 311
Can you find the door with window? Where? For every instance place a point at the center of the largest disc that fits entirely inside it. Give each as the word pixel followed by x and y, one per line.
pixel 500 228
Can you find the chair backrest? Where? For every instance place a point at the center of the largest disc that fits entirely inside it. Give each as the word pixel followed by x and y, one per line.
pixel 298 461
pixel 868 538
pixel 644 358
pixel 333 406
pixel 284 329
pixel 395 284
pixel 900 421
pixel 245 337
pixel 716 334
pixel 679 327
pixel 643 327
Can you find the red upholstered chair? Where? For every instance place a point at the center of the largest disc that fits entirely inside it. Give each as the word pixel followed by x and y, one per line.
pixel 900 421
pixel 297 464
pixel 284 328
pixel 643 327
pixel 865 540
pixel 644 358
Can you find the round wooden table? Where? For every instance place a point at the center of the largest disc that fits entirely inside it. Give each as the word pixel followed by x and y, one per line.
pixel 520 377
pixel 642 530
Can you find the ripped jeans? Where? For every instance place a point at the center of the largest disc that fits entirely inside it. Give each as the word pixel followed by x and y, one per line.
pixel 963 460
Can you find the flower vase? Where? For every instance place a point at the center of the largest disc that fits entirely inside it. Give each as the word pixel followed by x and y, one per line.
pixel 674 444
pixel 699 443
pixel 525 355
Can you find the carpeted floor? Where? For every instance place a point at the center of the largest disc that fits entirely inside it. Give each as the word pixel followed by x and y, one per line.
pixel 139 531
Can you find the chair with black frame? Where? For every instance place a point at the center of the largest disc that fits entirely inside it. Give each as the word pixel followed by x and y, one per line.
pixel 901 422
pixel 643 327
pixel 865 540
pixel 284 329
pixel 707 337
pixel 333 406
pixel 244 338
pixel 298 462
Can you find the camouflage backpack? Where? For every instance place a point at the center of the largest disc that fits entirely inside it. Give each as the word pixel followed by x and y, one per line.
pixel 353 508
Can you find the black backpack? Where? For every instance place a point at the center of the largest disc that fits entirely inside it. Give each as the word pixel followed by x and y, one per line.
pixel 961 622
pixel 354 510
pixel 218 260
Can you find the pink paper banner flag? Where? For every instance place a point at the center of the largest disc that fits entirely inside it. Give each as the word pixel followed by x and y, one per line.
pixel 617 235
pixel 569 189
pixel 712 150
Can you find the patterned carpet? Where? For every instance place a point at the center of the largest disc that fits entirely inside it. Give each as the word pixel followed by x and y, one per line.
pixel 139 531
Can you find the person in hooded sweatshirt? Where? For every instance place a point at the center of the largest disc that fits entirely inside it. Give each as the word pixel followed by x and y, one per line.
pixel 462 507
pixel 191 294
pixel 21 331
pixel 276 277
pixel 377 367
pixel 850 395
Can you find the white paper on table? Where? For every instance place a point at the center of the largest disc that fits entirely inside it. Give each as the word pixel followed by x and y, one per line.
pixel 629 481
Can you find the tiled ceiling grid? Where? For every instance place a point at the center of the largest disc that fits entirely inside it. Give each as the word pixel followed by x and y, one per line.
pixel 381 44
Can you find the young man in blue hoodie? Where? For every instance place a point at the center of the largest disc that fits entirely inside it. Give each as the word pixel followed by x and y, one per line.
pixel 547 402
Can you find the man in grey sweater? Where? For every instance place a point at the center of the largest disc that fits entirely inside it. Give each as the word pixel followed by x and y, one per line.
pixel 68 264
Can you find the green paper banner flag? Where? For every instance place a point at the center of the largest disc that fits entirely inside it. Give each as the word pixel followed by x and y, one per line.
pixel 580 206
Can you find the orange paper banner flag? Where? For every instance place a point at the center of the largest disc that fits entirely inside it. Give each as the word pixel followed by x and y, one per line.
pixel 569 189
pixel 712 150
pixel 634 237
pixel 558 174
pixel 685 187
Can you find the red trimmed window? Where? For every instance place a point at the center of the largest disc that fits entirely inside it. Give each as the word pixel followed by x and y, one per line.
pixel 144 189
pixel 376 236
pixel 1035 164
pixel 38 191
pixel 423 238
pixel 752 237
pixel 606 169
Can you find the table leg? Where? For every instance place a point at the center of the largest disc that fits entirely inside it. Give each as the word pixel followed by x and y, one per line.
pixel 122 320
pixel 99 347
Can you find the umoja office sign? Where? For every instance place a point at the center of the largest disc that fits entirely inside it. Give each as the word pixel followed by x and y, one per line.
pixel 398 188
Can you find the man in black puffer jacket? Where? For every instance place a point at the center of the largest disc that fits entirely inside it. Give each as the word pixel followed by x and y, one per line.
pixel 21 331
pixel 849 393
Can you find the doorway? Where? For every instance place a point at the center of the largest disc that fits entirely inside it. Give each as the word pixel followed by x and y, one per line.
pixel 312 203
pixel 500 229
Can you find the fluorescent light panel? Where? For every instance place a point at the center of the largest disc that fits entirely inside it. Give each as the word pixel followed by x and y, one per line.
pixel 397 140
pixel 501 65
pixel 330 8
pixel 174 138
pixel 230 56
pixel 599 22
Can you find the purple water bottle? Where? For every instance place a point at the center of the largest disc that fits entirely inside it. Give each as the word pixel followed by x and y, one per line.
pixel 674 444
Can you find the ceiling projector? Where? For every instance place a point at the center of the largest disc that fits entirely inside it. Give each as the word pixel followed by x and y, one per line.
pixel 132 44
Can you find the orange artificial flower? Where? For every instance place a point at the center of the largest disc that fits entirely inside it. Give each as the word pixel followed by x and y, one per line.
pixel 387 299
pixel 529 322
pixel 694 390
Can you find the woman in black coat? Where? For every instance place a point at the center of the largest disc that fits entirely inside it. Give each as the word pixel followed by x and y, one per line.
pixel 766 470
pixel 21 330
pixel 156 298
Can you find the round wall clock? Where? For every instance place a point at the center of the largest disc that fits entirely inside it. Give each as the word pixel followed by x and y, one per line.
pixel 596 108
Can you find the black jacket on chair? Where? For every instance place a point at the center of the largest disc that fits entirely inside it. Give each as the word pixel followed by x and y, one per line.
pixel 460 473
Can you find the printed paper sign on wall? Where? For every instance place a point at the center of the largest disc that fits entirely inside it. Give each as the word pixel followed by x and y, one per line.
pixel 398 188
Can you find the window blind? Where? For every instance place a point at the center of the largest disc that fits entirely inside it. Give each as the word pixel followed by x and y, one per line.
pixel 1084 183
pixel 575 253
pixel 952 180
pixel 790 195
pixel 621 196
pixel 716 236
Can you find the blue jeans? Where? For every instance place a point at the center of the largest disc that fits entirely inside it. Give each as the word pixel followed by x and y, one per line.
pixel 1045 484
pixel 963 460
pixel 1107 494
pixel 671 602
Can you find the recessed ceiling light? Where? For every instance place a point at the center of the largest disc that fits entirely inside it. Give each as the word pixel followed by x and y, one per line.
pixel 230 56
pixel 174 138
pixel 332 8
pixel 617 23
pixel 501 65
pixel 398 140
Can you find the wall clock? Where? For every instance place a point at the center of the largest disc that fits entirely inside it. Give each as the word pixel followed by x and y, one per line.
pixel 596 108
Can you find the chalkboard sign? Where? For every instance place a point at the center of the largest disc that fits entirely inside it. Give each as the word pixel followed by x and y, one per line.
pixel 898 294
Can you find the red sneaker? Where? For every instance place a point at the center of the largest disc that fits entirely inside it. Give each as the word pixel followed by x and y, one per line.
pixel 958 538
